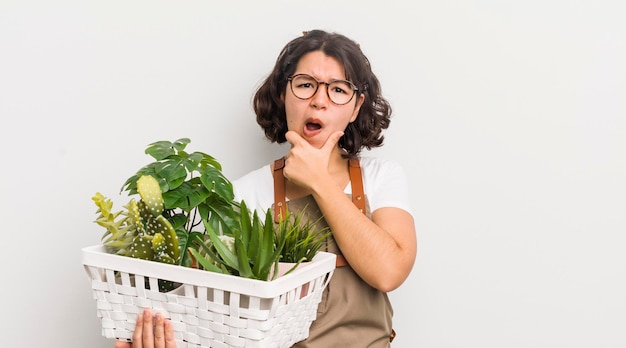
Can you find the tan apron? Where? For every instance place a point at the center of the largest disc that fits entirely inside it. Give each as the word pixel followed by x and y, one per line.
pixel 352 313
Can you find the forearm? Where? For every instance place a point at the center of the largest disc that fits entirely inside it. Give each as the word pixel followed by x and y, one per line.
pixel 381 250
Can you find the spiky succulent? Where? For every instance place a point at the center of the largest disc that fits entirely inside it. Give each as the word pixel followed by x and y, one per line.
pixel 251 251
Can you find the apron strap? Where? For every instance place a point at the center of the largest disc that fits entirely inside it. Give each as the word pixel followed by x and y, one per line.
pixel 279 190
pixel 280 204
pixel 356 181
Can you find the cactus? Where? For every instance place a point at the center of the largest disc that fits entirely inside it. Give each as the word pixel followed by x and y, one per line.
pixel 140 231
pixel 150 192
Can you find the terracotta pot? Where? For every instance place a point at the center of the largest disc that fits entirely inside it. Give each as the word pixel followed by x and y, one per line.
pixel 284 267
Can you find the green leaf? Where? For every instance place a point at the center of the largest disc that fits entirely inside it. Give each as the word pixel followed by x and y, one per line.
pixel 192 162
pixel 185 241
pixel 203 248
pixel 162 149
pixel 254 243
pixel 178 220
pixel 151 169
pixel 208 160
pixel 216 182
pixel 186 196
pixel 268 240
pixel 245 222
pixel 229 258
pixel 171 172
pixel 181 143
pixel 219 214
pixel 206 263
pixel 242 257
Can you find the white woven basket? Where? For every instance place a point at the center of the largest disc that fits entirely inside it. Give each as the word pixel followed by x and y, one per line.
pixel 209 309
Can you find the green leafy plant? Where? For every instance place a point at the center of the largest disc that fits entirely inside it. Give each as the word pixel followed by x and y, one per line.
pixel 186 215
pixel 186 192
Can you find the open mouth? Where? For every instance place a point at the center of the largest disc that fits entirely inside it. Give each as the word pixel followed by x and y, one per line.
pixel 312 126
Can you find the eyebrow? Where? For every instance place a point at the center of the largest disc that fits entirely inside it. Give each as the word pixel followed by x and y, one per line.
pixel 315 77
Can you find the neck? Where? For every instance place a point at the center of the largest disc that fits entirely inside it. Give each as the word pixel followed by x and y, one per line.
pixel 337 164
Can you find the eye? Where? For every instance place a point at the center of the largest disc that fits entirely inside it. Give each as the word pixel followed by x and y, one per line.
pixel 340 90
pixel 340 87
pixel 304 82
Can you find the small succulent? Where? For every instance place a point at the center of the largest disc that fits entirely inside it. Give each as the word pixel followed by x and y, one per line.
pixel 300 237
pixel 251 250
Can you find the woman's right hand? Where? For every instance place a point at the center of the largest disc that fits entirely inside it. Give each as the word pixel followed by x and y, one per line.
pixel 151 332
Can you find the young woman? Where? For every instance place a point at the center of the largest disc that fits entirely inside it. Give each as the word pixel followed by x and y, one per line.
pixel 323 98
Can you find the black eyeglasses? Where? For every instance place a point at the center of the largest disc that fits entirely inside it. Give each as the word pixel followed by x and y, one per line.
pixel 305 86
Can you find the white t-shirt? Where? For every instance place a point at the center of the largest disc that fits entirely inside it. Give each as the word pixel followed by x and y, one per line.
pixel 384 182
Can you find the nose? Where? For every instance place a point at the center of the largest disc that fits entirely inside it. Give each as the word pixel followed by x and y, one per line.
pixel 321 99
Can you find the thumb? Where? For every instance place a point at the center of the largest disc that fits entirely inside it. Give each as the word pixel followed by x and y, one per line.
pixel 332 141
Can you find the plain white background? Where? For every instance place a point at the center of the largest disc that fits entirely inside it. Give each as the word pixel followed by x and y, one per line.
pixel 509 117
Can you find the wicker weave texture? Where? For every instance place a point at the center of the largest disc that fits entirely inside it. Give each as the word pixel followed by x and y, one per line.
pixel 219 312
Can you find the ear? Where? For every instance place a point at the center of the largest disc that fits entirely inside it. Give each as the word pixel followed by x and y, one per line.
pixel 357 107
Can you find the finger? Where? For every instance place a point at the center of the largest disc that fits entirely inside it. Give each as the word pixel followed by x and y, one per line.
pixel 137 335
pixel 147 338
pixel 120 344
pixel 294 138
pixel 169 335
pixel 332 141
pixel 159 335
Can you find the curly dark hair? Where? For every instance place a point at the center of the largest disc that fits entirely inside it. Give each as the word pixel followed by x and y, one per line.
pixel 374 115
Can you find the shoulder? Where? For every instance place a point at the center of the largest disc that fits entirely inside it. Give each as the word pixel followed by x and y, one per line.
pixel 255 187
pixel 252 181
pixel 376 166
pixel 385 183
pixel 253 176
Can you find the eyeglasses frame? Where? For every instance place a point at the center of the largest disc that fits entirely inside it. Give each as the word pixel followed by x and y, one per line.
pixel 355 89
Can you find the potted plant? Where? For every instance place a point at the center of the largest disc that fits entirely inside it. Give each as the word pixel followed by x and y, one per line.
pixel 300 240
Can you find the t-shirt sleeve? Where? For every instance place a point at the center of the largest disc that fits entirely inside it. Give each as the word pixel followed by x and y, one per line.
pixel 386 185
